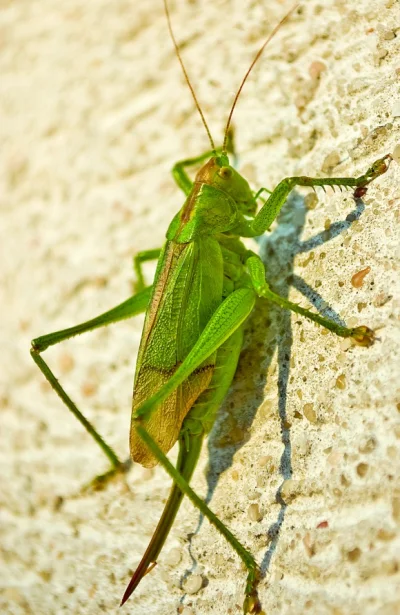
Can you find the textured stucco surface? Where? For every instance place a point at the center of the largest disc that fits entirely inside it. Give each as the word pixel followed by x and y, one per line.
pixel 93 114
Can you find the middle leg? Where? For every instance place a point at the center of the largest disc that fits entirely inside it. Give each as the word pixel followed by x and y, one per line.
pixel 127 309
pixel 361 335
pixel 138 259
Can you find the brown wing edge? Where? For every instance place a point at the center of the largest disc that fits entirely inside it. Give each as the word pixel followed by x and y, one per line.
pixel 165 423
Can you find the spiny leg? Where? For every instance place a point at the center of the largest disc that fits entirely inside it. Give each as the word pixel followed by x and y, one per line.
pixel 227 319
pixel 138 259
pixel 251 602
pixel 189 450
pixel 127 309
pixel 198 421
pixel 362 335
pixel 276 200
pixel 131 307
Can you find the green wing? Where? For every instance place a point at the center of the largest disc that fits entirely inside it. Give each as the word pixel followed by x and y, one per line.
pixel 187 290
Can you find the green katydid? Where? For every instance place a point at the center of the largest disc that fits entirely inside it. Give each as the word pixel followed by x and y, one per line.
pixel 205 287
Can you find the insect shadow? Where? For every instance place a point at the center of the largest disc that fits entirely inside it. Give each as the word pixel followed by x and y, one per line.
pixel 269 331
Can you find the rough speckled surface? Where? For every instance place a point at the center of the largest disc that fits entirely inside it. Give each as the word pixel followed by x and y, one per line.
pixel 93 113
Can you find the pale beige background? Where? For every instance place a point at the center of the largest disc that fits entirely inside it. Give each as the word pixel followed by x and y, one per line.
pixel 94 113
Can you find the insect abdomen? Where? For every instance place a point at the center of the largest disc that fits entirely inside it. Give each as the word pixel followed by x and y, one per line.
pixel 187 291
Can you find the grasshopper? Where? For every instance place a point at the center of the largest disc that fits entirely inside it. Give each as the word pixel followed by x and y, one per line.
pixel 205 287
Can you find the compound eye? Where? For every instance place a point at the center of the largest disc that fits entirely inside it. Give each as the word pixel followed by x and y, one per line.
pixel 225 172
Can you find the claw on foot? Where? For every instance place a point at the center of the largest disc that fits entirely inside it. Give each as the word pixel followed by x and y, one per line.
pixel 360 192
pixel 363 336
pixel 100 482
pixel 252 603
pixel 378 168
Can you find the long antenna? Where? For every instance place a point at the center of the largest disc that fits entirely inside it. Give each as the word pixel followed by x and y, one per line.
pixel 203 119
pixel 274 31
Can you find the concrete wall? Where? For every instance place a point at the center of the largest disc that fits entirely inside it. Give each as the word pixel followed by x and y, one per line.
pixel 94 113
